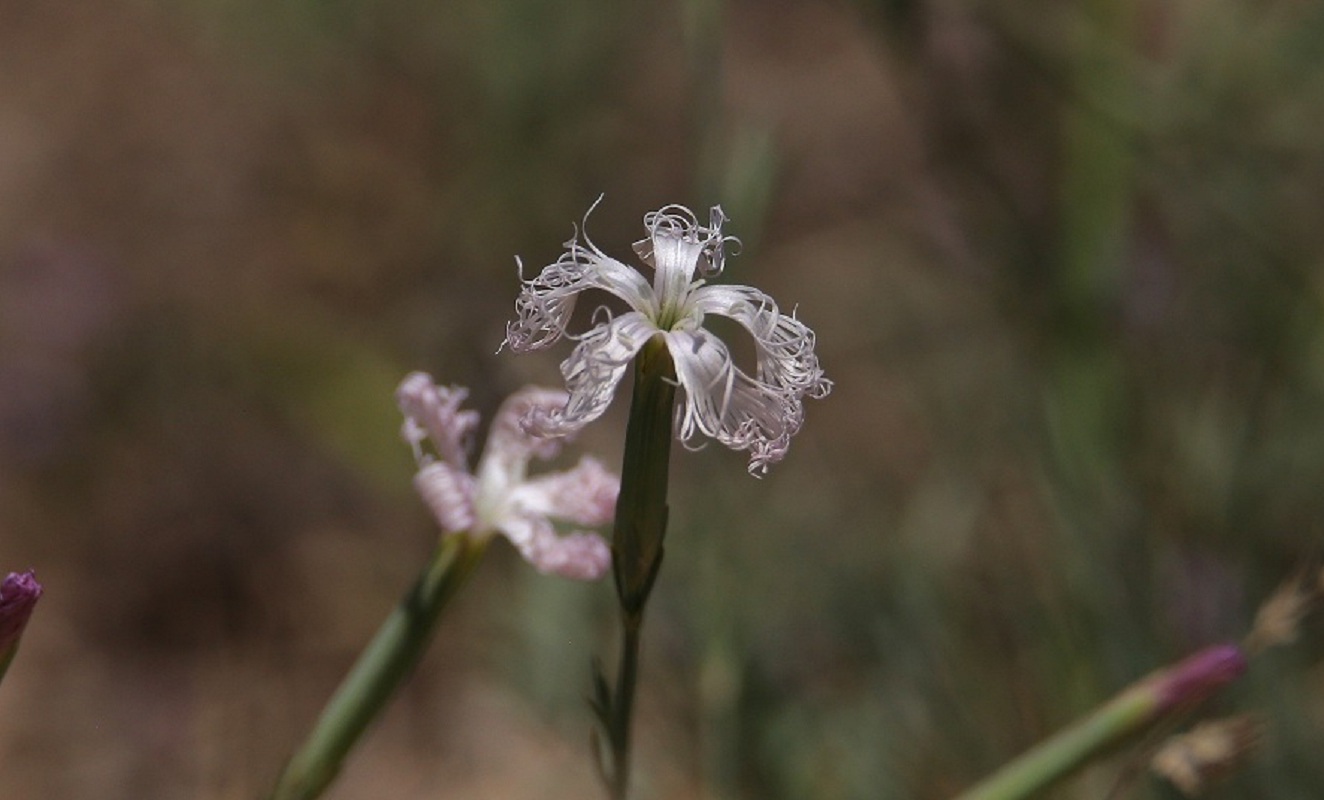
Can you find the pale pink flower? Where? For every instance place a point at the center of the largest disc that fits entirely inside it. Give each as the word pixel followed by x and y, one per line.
pixel 499 496
pixel 758 413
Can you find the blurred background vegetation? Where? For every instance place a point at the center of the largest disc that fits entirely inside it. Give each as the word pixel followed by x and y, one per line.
pixel 1063 259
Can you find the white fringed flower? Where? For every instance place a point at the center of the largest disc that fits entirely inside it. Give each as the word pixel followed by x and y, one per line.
pixel 499 497
pixel 758 413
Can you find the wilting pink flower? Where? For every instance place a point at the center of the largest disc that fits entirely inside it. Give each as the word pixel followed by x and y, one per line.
pixel 19 593
pixel 499 496
pixel 758 413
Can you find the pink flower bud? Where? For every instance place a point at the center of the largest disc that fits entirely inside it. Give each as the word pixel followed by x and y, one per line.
pixel 1200 675
pixel 18 596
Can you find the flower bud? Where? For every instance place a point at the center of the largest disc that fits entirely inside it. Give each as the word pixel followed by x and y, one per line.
pixel 19 593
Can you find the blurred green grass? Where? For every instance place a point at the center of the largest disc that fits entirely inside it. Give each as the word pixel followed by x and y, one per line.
pixel 1064 270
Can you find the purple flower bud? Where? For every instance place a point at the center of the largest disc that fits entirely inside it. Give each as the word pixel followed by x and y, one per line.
pixel 18 595
pixel 1200 675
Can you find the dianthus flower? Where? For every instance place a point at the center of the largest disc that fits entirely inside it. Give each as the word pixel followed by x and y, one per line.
pixel 499 497
pixel 757 413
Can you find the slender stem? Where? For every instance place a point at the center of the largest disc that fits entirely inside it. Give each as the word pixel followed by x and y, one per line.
pixel 1178 687
pixel 1061 753
pixel 641 522
pixel 384 664
pixel 623 708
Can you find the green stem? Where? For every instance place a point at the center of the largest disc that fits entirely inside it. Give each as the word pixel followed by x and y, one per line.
pixel 641 523
pixel 382 667
pixel 623 708
pixel 1179 687
pixel 1058 755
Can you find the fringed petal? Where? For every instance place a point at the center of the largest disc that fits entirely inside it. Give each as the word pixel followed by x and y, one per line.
pixel 579 556
pixel 509 443
pixel 449 493
pixel 592 373
pixel 723 402
pixel 784 344
pixel 546 302
pixel 433 412
pixel 675 259
pixel 585 495
pixel 672 232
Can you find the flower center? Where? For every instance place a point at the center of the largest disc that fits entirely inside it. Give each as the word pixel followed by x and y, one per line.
pixel 674 305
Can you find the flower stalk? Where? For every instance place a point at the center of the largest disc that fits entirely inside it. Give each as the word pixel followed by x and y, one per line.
pixel 384 664
pixel 641 522
pixel 1130 712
